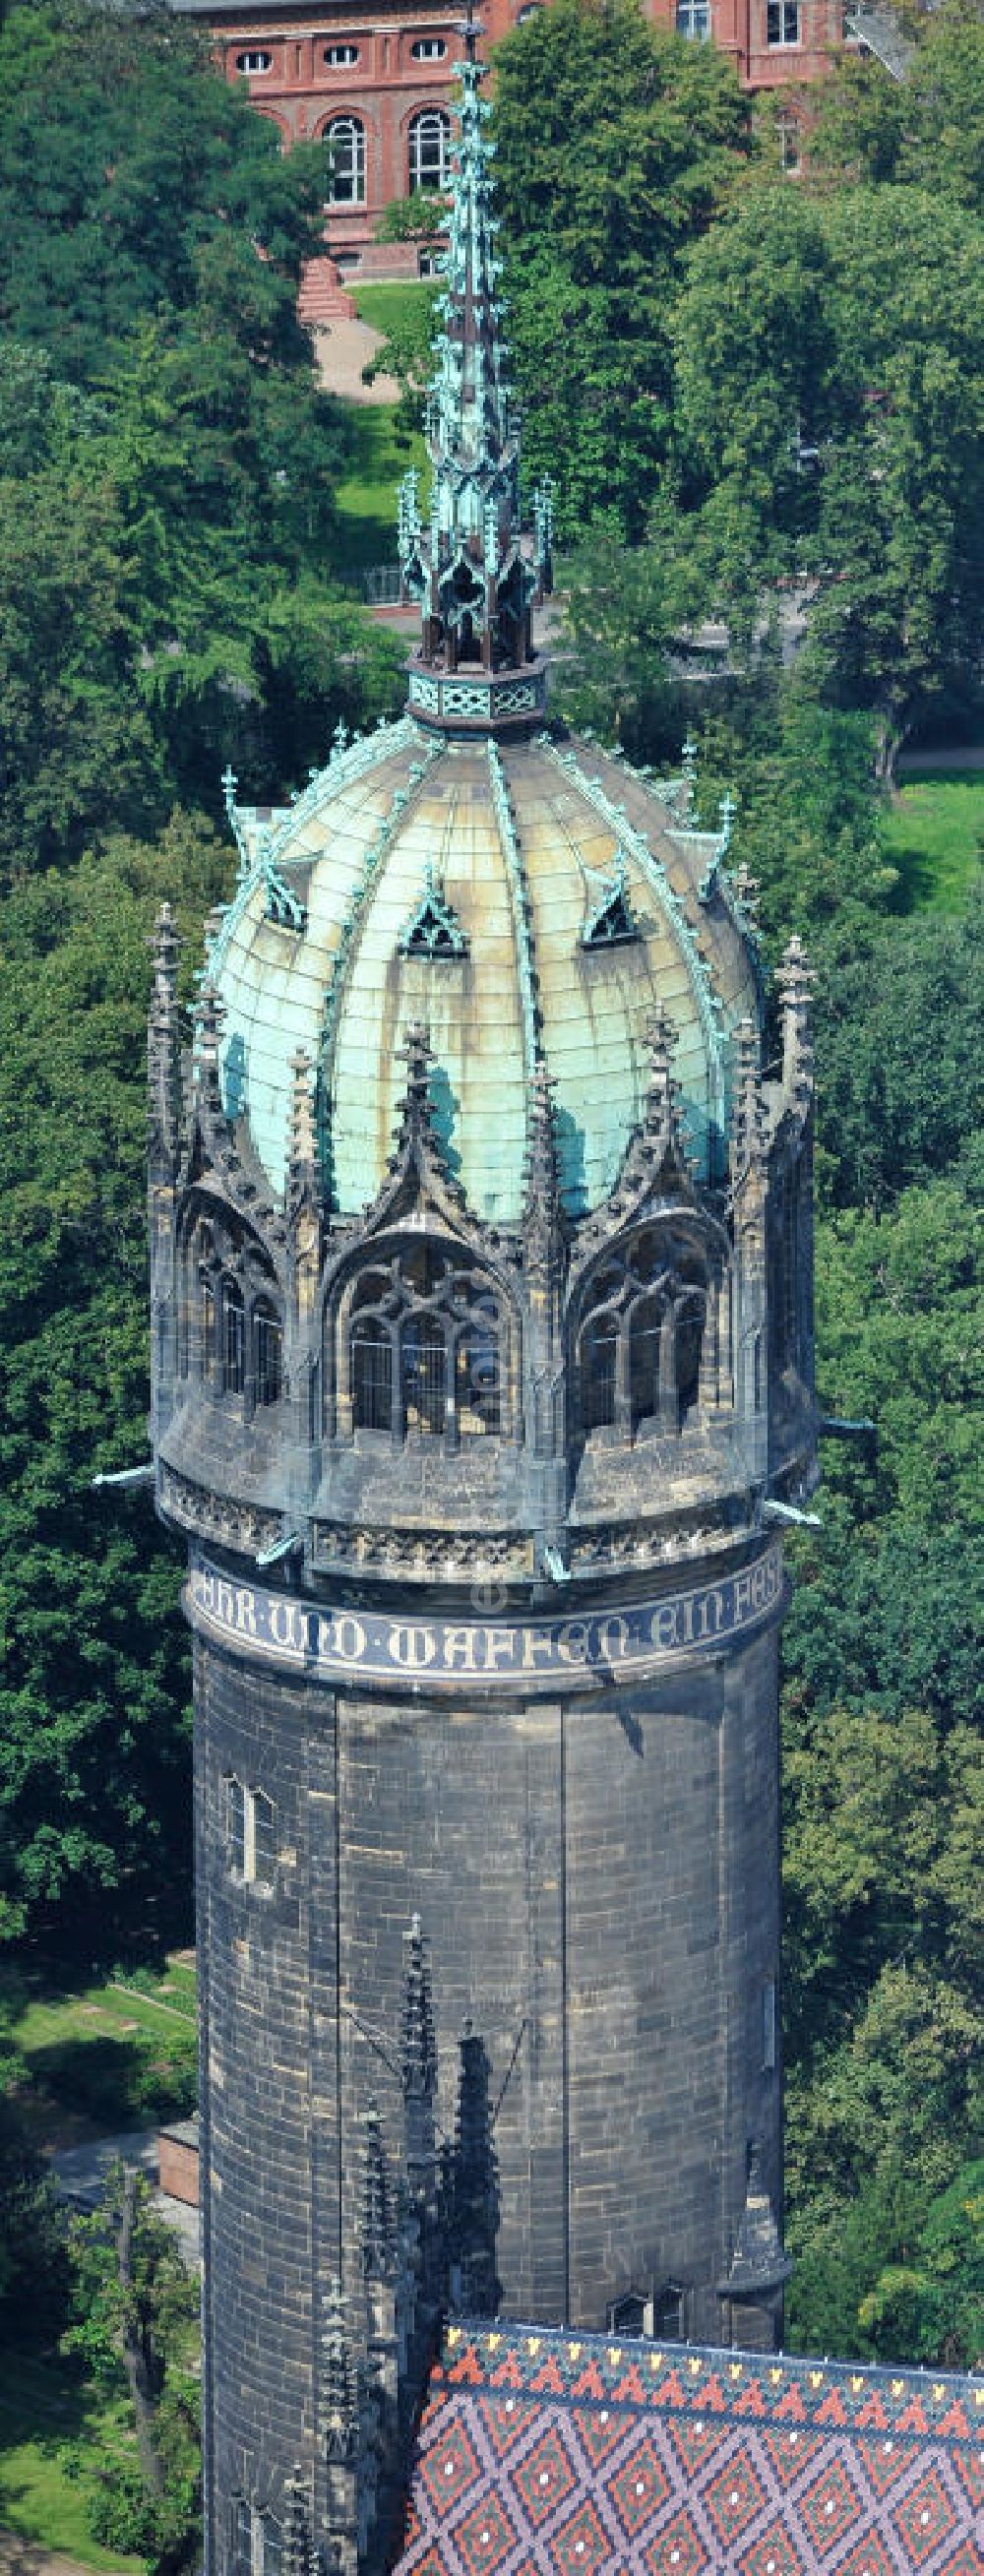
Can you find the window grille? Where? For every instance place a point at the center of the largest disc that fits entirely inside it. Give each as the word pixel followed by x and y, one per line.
pixel 424 1373
pixel 268 1342
pixel 476 1389
pixel 598 1367
pixel 346 139
pixel 372 1377
pixel 645 1335
pixel 233 1339
pixel 426 1347
pixel 430 151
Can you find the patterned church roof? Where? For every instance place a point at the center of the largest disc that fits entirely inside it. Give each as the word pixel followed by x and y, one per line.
pixel 546 2454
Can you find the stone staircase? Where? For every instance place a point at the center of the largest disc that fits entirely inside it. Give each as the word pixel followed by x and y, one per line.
pixel 322 299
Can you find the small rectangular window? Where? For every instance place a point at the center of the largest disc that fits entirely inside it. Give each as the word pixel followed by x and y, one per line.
pixel 693 19
pixel 264 1840
pixel 782 22
pixel 271 2547
pixel 769 2026
pixel 236 1830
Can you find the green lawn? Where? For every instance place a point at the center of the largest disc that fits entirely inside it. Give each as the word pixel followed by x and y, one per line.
pixel 53 2428
pixel 381 455
pixel 105 2056
pixel 934 835
pixel 391 305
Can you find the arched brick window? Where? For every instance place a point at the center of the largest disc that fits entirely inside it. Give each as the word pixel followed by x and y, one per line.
pixel 346 140
pixel 430 151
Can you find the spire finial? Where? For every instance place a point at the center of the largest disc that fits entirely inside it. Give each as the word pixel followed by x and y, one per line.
pixel 467 569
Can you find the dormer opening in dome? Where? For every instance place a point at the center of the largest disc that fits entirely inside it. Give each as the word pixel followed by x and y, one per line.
pixel 474 577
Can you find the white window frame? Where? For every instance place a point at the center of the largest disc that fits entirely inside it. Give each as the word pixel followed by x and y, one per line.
pixel 688 13
pixel 787 13
pixel 342 58
pixel 253 65
pixel 434 183
pixel 428 49
pixel 353 128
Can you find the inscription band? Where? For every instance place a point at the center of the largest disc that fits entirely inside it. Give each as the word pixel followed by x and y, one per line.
pixel 343 1644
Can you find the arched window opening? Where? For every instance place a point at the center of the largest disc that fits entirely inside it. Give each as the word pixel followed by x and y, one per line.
pixel 428 1347
pixel 423 1374
pixel 372 1376
pixel 646 1330
pixel 253 62
pixel 599 1364
pixel 346 139
pixel 268 1352
pixel 428 49
pixel 641 1339
pixel 340 58
pixel 430 151
pixel 233 1339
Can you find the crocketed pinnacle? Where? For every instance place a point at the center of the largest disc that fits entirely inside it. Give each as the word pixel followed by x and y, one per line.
pixel 465 568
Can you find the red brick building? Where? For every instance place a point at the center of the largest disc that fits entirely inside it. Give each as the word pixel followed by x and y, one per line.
pixel 379 78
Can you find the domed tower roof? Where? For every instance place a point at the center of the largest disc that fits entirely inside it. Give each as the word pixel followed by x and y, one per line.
pixel 529 900
pixel 477 1146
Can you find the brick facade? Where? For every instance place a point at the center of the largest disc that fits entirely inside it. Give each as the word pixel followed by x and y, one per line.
pixel 387 87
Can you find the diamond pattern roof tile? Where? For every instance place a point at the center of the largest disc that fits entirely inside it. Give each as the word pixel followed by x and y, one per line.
pixel 549 2456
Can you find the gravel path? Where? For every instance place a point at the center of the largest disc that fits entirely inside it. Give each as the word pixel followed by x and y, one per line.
pixel 341 351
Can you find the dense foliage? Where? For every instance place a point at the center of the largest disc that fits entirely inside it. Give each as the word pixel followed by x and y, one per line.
pixel 615 143
pixel 784 384
pixel 772 383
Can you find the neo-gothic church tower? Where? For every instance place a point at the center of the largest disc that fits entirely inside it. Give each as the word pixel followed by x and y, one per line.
pixel 481 1275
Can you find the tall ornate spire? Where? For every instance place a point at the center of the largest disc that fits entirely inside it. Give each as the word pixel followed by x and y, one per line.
pixel 476 666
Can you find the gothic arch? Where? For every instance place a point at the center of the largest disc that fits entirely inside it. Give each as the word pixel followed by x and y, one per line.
pixel 420 1339
pixel 646 1328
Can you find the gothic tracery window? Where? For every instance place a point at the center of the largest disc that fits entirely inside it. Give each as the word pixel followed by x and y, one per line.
pixel 640 1335
pixel 424 1347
